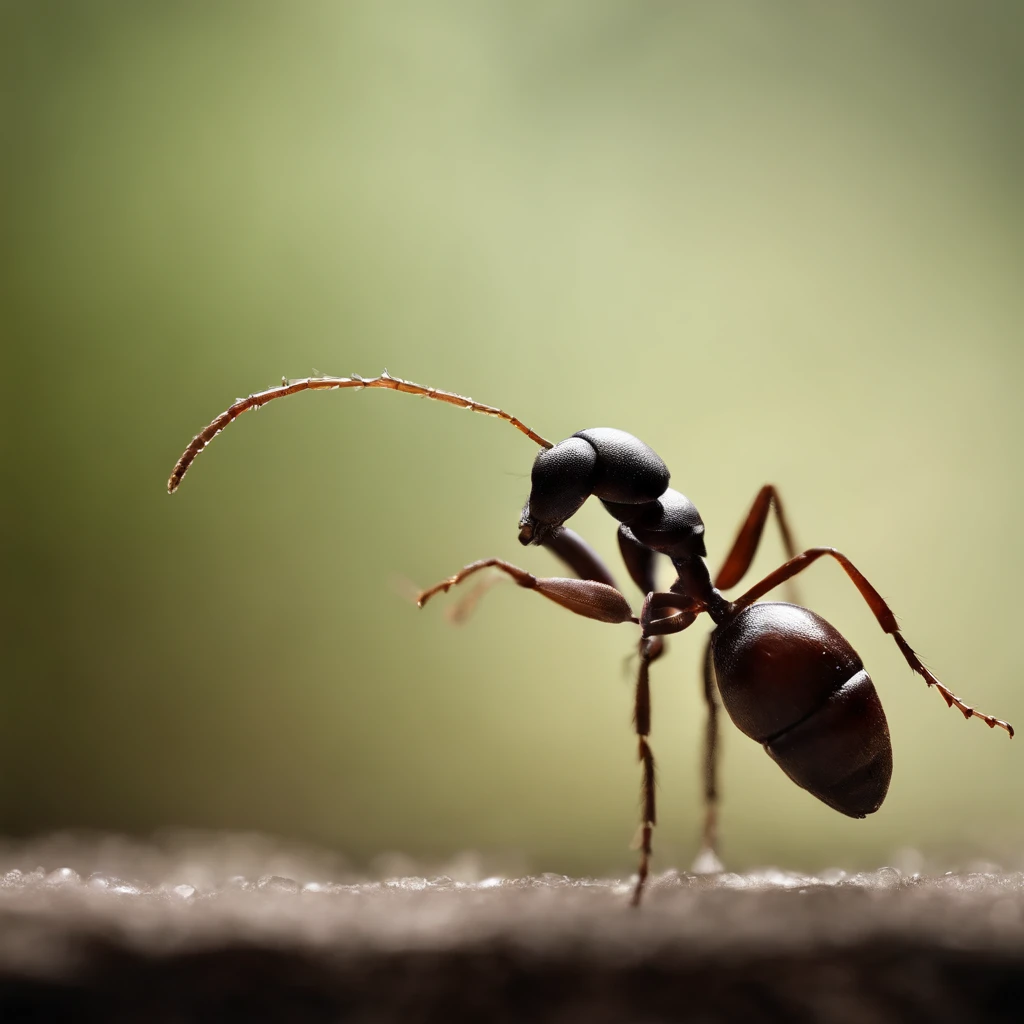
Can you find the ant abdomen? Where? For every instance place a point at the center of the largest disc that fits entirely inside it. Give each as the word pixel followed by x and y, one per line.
pixel 792 682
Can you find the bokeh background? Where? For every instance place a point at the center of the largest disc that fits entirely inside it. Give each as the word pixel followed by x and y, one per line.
pixel 777 241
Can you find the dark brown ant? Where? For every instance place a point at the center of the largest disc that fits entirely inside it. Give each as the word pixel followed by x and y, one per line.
pixel 787 677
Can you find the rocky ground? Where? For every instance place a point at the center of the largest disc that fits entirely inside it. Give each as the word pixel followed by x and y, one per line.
pixel 235 929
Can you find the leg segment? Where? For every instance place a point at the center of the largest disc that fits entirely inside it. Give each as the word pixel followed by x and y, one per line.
pixel 650 650
pixel 707 861
pixel 640 560
pixel 564 544
pixel 737 562
pixel 733 569
pixel 576 553
pixel 882 612
pixel 682 613
pixel 584 597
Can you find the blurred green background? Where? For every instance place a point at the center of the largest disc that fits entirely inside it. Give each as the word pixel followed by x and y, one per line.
pixel 779 242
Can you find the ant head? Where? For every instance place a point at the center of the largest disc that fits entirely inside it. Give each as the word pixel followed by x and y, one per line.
pixel 561 480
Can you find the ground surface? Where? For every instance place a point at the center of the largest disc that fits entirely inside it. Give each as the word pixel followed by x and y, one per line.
pixel 105 930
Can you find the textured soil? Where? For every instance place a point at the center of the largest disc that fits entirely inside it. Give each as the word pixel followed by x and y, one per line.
pixel 109 931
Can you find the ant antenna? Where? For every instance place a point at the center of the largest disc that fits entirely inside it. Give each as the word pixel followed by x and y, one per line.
pixel 292 387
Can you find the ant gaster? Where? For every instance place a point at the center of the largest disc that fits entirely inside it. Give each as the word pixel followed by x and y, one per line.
pixel 788 679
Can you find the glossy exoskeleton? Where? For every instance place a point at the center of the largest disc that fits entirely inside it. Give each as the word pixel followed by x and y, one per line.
pixel 787 678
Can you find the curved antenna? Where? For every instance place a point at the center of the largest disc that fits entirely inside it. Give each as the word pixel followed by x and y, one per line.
pixel 293 387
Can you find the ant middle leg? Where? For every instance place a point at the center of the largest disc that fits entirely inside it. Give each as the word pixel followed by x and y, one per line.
pixel 640 562
pixel 681 613
pixel 650 650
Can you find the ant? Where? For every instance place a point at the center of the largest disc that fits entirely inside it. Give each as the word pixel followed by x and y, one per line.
pixel 787 678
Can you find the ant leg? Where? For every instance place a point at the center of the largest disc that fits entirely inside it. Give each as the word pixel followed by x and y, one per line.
pixel 576 553
pixel 683 613
pixel 650 650
pixel 460 612
pixel 882 612
pixel 640 563
pixel 745 546
pixel 733 569
pixel 589 598
pixel 640 560
pixel 707 862
pixel 566 545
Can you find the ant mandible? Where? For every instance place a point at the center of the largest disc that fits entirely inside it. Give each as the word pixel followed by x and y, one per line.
pixel 788 678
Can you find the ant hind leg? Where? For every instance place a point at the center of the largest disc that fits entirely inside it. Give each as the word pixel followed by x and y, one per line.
pixel 707 861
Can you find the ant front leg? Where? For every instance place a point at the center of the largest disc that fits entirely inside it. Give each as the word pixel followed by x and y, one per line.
pixel 588 598
pixel 883 615
pixel 597 600
pixel 566 545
